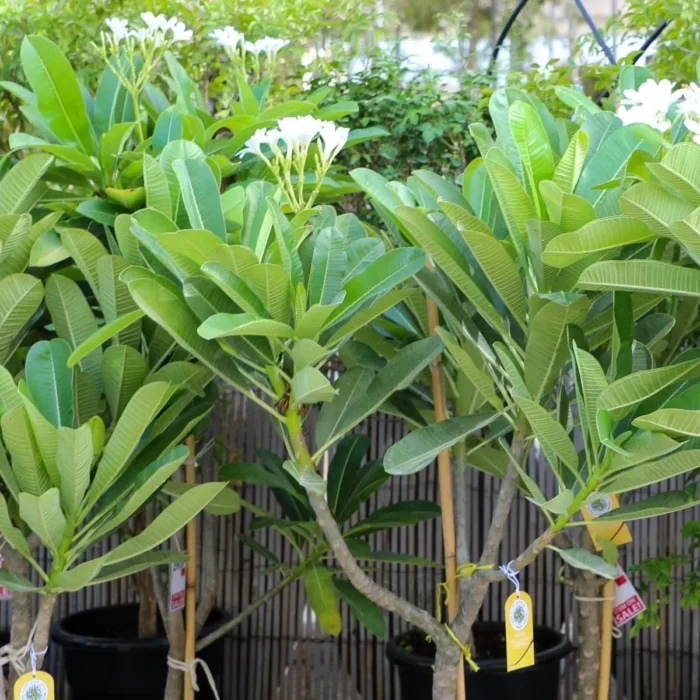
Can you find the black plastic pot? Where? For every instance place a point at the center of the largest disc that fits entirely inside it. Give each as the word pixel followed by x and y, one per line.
pixel 414 659
pixel 105 660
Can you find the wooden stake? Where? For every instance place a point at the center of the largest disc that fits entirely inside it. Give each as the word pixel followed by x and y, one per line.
pixel 446 499
pixel 606 637
pixel 191 599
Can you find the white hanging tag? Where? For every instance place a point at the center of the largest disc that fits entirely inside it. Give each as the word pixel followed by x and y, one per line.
pixel 178 586
pixel 628 603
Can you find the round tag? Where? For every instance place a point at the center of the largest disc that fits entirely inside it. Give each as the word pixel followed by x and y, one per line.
pixel 34 686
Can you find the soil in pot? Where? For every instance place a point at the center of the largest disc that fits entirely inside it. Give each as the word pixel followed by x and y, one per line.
pixel 104 659
pixel 414 657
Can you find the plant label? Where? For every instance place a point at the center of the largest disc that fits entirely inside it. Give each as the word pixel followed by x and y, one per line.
pixel 520 639
pixel 5 594
pixel 628 603
pixel 618 533
pixel 178 586
pixel 34 686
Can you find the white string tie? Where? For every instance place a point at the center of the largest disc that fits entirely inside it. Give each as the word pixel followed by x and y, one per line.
pixel 9 655
pixel 34 656
pixel 191 670
pixel 512 575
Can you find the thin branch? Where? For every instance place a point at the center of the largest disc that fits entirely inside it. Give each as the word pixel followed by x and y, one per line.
pixel 376 593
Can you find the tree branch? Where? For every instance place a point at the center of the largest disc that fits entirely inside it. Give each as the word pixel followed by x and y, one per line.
pixel 376 593
pixel 206 603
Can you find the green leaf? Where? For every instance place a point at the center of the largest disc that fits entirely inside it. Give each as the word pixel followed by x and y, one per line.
pixel 200 194
pixel 306 352
pixel 445 253
pixel 323 598
pixel 623 395
pixel 86 250
pixel 102 335
pixel 642 447
pixel 225 503
pixel 309 386
pixel 271 285
pixel 350 387
pixel 399 373
pixel 112 145
pixel 587 561
pixel 74 456
pixel 17 236
pixel 661 504
pixel 141 410
pixel 551 435
pixel 50 380
pixel 546 350
pixel 11 533
pixel 502 272
pixel 74 321
pixel 641 276
pixel 532 144
pixel 419 448
pixel 59 97
pixel 163 305
pixel 597 236
pixel 327 267
pixel 381 276
pixel 361 607
pixel 167 523
pixel 229 325
pixel 25 456
pixel 569 168
pixel 653 472
pixel 344 471
pixel 168 128
pixel 44 516
pixel 16 583
pixel 673 421
pixel 131 566
pixel 654 206
pixel 21 188
pixel 156 185
pixel 20 297
pixel 680 170
pixel 123 372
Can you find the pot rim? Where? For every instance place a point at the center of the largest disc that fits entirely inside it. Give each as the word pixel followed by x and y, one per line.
pixel 159 643
pixel 399 656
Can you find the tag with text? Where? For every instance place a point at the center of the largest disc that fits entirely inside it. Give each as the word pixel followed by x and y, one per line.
pixel 520 637
pixel 628 603
pixel 35 686
pixel 178 586
pixel 618 533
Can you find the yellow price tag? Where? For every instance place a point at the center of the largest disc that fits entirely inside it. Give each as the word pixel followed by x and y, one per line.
pixel 35 686
pixel 520 635
pixel 618 533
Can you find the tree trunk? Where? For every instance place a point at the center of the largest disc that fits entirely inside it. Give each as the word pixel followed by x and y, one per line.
pixel 21 623
pixel 587 589
pixel 175 631
pixel 148 605
pixel 447 665
pixel 43 627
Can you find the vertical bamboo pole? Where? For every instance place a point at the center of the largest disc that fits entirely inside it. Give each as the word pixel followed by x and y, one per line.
pixel 446 499
pixel 606 637
pixel 191 599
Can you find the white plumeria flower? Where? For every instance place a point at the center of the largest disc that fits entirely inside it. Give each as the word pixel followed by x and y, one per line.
pixel 271 46
pixel 154 22
pixel 119 27
pixel 255 143
pixel 254 47
pixel 644 114
pixel 658 96
pixel 180 32
pixel 228 37
pixel 691 100
pixel 333 138
pixel 299 131
pixel 693 127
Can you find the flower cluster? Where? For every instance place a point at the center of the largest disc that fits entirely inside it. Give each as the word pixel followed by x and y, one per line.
pixel 652 102
pixel 158 31
pixel 649 104
pixel 235 44
pixel 296 134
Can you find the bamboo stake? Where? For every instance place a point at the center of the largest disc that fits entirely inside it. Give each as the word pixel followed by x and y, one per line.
pixel 446 498
pixel 606 637
pixel 191 599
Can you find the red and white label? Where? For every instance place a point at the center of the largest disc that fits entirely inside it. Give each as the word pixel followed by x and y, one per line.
pixel 178 586
pixel 628 603
pixel 5 594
